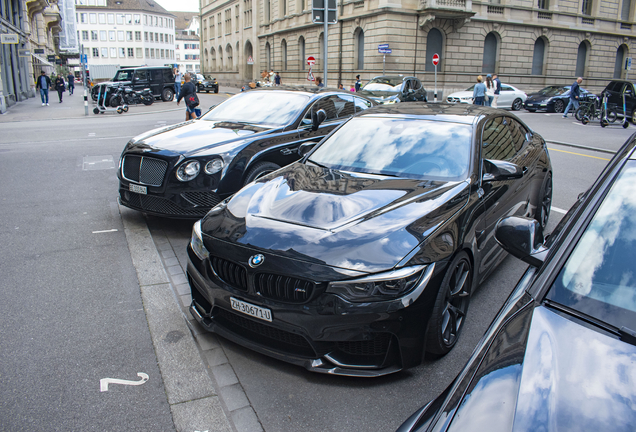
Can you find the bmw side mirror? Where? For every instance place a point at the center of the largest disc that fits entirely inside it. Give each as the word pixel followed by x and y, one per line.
pixel 317 118
pixel 306 148
pixel 495 170
pixel 522 237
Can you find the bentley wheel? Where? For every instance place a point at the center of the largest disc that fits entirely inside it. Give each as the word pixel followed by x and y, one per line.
pixel 451 306
pixel 259 170
pixel 559 106
pixel 517 104
pixel 543 209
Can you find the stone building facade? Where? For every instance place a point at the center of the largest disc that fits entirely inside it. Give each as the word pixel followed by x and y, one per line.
pixel 529 43
pixel 187 41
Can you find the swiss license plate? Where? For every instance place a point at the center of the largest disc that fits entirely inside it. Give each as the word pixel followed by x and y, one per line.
pixel 138 189
pixel 251 310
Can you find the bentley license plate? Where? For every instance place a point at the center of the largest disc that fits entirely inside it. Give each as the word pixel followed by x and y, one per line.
pixel 138 189
pixel 251 310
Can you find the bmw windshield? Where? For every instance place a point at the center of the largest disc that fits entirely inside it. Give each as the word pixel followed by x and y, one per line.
pixel 271 108
pixel 387 84
pixel 398 147
pixel 599 277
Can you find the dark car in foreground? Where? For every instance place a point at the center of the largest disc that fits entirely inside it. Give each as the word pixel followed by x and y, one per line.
pixel 388 89
pixel 561 354
pixel 207 83
pixel 553 98
pixel 364 254
pixel 185 169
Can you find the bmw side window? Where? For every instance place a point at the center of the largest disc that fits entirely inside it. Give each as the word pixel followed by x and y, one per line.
pixel 361 104
pixel 497 140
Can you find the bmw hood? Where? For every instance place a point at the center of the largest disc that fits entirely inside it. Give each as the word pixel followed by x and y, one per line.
pixel 379 96
pixel 349 220
pixel 192 137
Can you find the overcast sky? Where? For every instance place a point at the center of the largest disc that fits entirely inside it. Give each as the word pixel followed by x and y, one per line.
pixel 180 5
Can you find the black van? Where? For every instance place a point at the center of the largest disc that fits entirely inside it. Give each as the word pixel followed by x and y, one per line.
pixel 159 79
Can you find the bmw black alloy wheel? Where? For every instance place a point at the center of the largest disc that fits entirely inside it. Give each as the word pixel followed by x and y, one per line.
pixel 451 306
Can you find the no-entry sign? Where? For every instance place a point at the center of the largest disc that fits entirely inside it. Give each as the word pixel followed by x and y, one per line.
pixel 311 61
pixel 435 59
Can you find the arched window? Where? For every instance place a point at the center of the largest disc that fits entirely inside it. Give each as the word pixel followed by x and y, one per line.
pixel 538 56
pixel 283 48
pixel 433 46
pixel 490 53
pixel 228 56
pixel 360 50
pixel 301 52
pixel 249 71
pixel 220 58
pixel 620 58
pixel 268 56
pixel 213 57
pixel 581 58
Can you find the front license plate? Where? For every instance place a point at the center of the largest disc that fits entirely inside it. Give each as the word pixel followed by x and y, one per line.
pixel 251 310
pixel 138 189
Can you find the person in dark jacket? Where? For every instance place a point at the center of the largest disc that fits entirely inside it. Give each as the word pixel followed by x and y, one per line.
pixel 71 83
pixel 575 95
pixel 186 89
pixel 44 84
pixel 60 86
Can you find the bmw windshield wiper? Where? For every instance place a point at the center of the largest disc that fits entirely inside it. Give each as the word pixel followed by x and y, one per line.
pixel 625 334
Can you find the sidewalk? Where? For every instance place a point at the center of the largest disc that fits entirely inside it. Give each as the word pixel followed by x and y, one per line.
pixel 73 106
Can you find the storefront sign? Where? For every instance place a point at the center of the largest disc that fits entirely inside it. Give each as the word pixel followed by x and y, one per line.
pixel 10 39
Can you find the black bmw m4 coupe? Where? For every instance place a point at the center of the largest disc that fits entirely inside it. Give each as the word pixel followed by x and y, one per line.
pixel 362 256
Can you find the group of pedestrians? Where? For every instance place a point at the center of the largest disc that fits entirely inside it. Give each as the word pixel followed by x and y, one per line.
pixel 43 84
pixel 487 93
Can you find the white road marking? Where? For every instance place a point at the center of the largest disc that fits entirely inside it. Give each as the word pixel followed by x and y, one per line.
pixel 559 210
pixel 105 231
pixel 103 383
pixel 91 134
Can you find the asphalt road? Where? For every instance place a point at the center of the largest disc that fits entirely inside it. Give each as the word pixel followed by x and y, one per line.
pixel 288 398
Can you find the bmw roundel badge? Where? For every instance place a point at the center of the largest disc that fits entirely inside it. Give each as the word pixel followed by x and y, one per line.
pixel 256 260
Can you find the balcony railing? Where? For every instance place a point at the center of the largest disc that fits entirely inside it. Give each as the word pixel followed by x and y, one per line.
pixel 460 5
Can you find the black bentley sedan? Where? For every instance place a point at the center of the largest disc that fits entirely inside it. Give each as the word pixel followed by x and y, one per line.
pixel 364 254
pixel 553 98
pixel 560 354
pixel 185 169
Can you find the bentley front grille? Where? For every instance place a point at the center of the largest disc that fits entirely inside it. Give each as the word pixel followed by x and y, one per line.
pixel 144 170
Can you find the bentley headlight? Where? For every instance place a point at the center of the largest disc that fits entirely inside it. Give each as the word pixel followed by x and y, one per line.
pixel 188 170
pixel 196 242
pixel 378 287
pixel 214 166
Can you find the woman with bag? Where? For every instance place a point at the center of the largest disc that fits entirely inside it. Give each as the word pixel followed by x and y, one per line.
pixel 60 86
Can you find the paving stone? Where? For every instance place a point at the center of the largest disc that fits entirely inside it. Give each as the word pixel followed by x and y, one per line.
pixel 183 289
pixel 245 420
pixel 201 415
pixel 215 357
pixel 171 261
pixel 174 270
pixel 224 375
pixel 169 253
pixel 234 397
pixel 207 341
pixel 179 279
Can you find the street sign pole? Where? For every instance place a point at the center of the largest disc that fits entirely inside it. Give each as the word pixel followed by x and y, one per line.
pixel 435 62
pixel 326 45
pixel 383 63
pixel 83 64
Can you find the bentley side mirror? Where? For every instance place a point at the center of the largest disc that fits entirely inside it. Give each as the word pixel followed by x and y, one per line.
pixel 317 118
pixel 522 237
pixel 495 170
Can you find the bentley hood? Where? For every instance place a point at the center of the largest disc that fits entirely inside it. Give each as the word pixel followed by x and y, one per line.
pixel 192 137
pixel 349 220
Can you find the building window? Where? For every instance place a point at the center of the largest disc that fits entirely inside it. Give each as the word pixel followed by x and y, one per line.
pixel 147 53
pixel 84 18
pixel 283 47
pixel 92 18
pixel 131 52
pixel 111 35
pixel 268 56
pixel 129 36
pixel 228 21
pixel 247 13
pixel 178 57
pixel 360 49
pixel 103 36
pixel 230 62
pixel 120 35
pixel 94 35
pixel 490 53
pixel 581 59
pixel 221 58
pixel 212 26
pixel 152 37
pixel 161 37
pixel 111 18
pixel 138 36
pixel 156 37
pixel 625 11
pixel 105 52
pixel 213 58
pixel 162 54
pixel 152 53
pixel 120 19
pixel 146 36
pixel 122 52
pixel 113 52
pixel 95 52
pixel 266 11
pixel 543 4
pixel 284 8
pixel 620 58
pixel 139 52
pixel 85 35
pixel 146 23
pixel 128 19
pixel 137 20
pixel 301 52
pixel 219 29
pixel 236 16
pixel 434 41
pixel 586 7
pixel 538 56
pixel 102 18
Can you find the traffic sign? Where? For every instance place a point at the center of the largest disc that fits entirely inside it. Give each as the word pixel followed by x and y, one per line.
pixel 435 59
pixel 84 58
pixel 318 11
pixel 310 76
pixel 383 46
pixel 250 60
pixel 628 63
pixel 384 50
pixel 311 60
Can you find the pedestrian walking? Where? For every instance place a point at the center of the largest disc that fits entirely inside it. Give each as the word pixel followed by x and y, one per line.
pixel 44 84
pixel 178 76
pixel 60 87
pixel 319 82
pixel 495 79
pixel 264 76
pixel 358 83
pixel 277 79
pixel 188 89
pixel 575 94
pixel 490 90
pixel 271 75
pixel 71 83
pixel 479 92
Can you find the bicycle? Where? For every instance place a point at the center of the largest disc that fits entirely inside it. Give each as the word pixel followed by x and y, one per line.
pixel 588 110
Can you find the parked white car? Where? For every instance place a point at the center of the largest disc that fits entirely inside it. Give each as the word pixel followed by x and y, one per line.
pixel 510 97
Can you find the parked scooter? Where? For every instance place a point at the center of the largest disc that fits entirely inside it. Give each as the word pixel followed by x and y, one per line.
pixel 102 94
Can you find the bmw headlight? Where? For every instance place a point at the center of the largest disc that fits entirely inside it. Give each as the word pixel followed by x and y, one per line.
pixel 188 170
pixel 379 287
pixel 196 242
pixel 214 166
